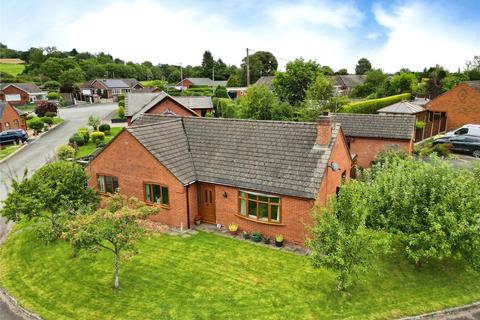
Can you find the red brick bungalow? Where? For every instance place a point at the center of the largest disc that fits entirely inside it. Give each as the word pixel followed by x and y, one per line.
pixel 262 175
pixel 21 93
pixel 455 108
pixel 137 104
pixel 11 117
pixel 369 134
pixel 110 88
pixel 187 82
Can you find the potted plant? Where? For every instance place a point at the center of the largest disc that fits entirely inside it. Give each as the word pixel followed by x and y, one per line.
pixel 246 235
pixel 233 228
pixel 198 219
pixel 266 240
pixel 256 236
pixel 279 240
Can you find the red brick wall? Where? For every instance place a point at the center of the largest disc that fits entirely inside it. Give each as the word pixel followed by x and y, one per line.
pixel 168 103
pixel 14 90
pixel 126 159
pixel 9 115
pixel 99 85
pixel 367 149
pixel 185 83
pixel 462 105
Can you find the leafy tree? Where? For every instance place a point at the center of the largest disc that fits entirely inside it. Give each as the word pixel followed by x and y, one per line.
pixel 221 92
pixel 224 108
pixel 452 80
pixel 339 239
pixel 35 56
pixel 342 72
pixel 114 228
pixel 52 68
pixel 404 82
pixel 54 193
pixel 319 98
pixel 207 64
pixel 261 104
pixel 262 63
pixel 71 77
pixel 326 70
pixel 43 107
pixel 430 206
pixel 363 65
pixel 93 122
pixel 434 86
pixel 233 81
pixel 472 68
pixel 290 86
pixel 52 85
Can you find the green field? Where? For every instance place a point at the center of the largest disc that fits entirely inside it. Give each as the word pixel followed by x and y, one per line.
pixel 85 150
pixel 12 69
pixel 207 276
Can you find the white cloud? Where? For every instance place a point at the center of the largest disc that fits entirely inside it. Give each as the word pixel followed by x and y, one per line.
pixel 373 35
pixel 422 35
pixel 331 14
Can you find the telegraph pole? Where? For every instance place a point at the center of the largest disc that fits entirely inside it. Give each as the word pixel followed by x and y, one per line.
pixel 213 73
pixel 248 69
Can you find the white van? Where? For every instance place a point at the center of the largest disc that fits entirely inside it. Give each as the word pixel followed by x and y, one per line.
pixel 470 129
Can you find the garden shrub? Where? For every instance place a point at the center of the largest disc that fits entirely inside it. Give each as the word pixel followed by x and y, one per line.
pixel 48 120
pixel 121 98
pixel 105 128
pixel 65 152
pixel 85 133
pixel 372 106
pixel 30 116
pixel 36 124
pixel 121 112
pixel 78 139
pixel 51 85
pixel 53 95
pixel 50 114
pixel 44 107
pixel 97 135
pixel 121 104
pixel 221 92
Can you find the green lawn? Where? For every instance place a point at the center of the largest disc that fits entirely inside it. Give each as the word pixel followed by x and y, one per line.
pixel 4 152
pixel 26 107
pixel 208 276
pixel 85 150
pixel 12 69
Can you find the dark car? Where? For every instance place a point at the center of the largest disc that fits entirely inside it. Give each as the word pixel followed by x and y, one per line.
pixel 13 136
pixel 462 143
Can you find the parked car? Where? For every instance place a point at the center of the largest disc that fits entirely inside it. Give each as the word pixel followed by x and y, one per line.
pixel 462 143
pixel 14 135
pixel 470 129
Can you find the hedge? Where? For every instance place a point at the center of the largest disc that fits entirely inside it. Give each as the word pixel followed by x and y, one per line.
pixel 372 106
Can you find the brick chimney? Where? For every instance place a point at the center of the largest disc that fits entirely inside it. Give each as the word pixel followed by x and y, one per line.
pixel 324 129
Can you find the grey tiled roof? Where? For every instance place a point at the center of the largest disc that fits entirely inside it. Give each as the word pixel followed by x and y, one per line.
pixel 475 84
pixel 28 87
pixel 403 107
pixel 114 83
pixel 267 156
pixel 201 102
pixel 393 126
pixel 265 81
pixel 154 101
pixel 207 82
pixel 348 81
pixel 135 101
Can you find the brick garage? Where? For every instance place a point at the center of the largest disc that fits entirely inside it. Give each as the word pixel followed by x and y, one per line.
pixel 170 151
pixel 369 134
pixel 11 117
pixel 460 104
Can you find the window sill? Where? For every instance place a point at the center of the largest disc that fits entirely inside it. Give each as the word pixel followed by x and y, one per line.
pixel 260 221
pixel 157 205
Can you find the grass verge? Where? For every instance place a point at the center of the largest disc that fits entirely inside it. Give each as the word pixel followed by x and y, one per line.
pixel 207 276
pixel 8 150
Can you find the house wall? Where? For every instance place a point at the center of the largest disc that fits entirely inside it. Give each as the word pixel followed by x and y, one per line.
pixel 9 115
pixel 135 167
pixel 461 104
pixel 168 103
pixel 99 85
pixel 24 97
pixel 367 149
pixel 185 83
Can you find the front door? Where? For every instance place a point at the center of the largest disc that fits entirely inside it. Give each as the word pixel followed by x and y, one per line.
pixel 207 203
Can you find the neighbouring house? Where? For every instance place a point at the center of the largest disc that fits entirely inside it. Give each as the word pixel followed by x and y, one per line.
pixel 137 104
pixel 369 134
pixel 266 81
pixel 207 82
pixel 21 93
pixel 11 117
pixel 236 92
pixel 454 108
pixel 414 107
pixel 343 84
pixel 147 90
pixel 107 88
pixel 261 175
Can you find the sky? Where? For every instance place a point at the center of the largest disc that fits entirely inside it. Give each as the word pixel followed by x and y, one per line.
pixel 391 34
